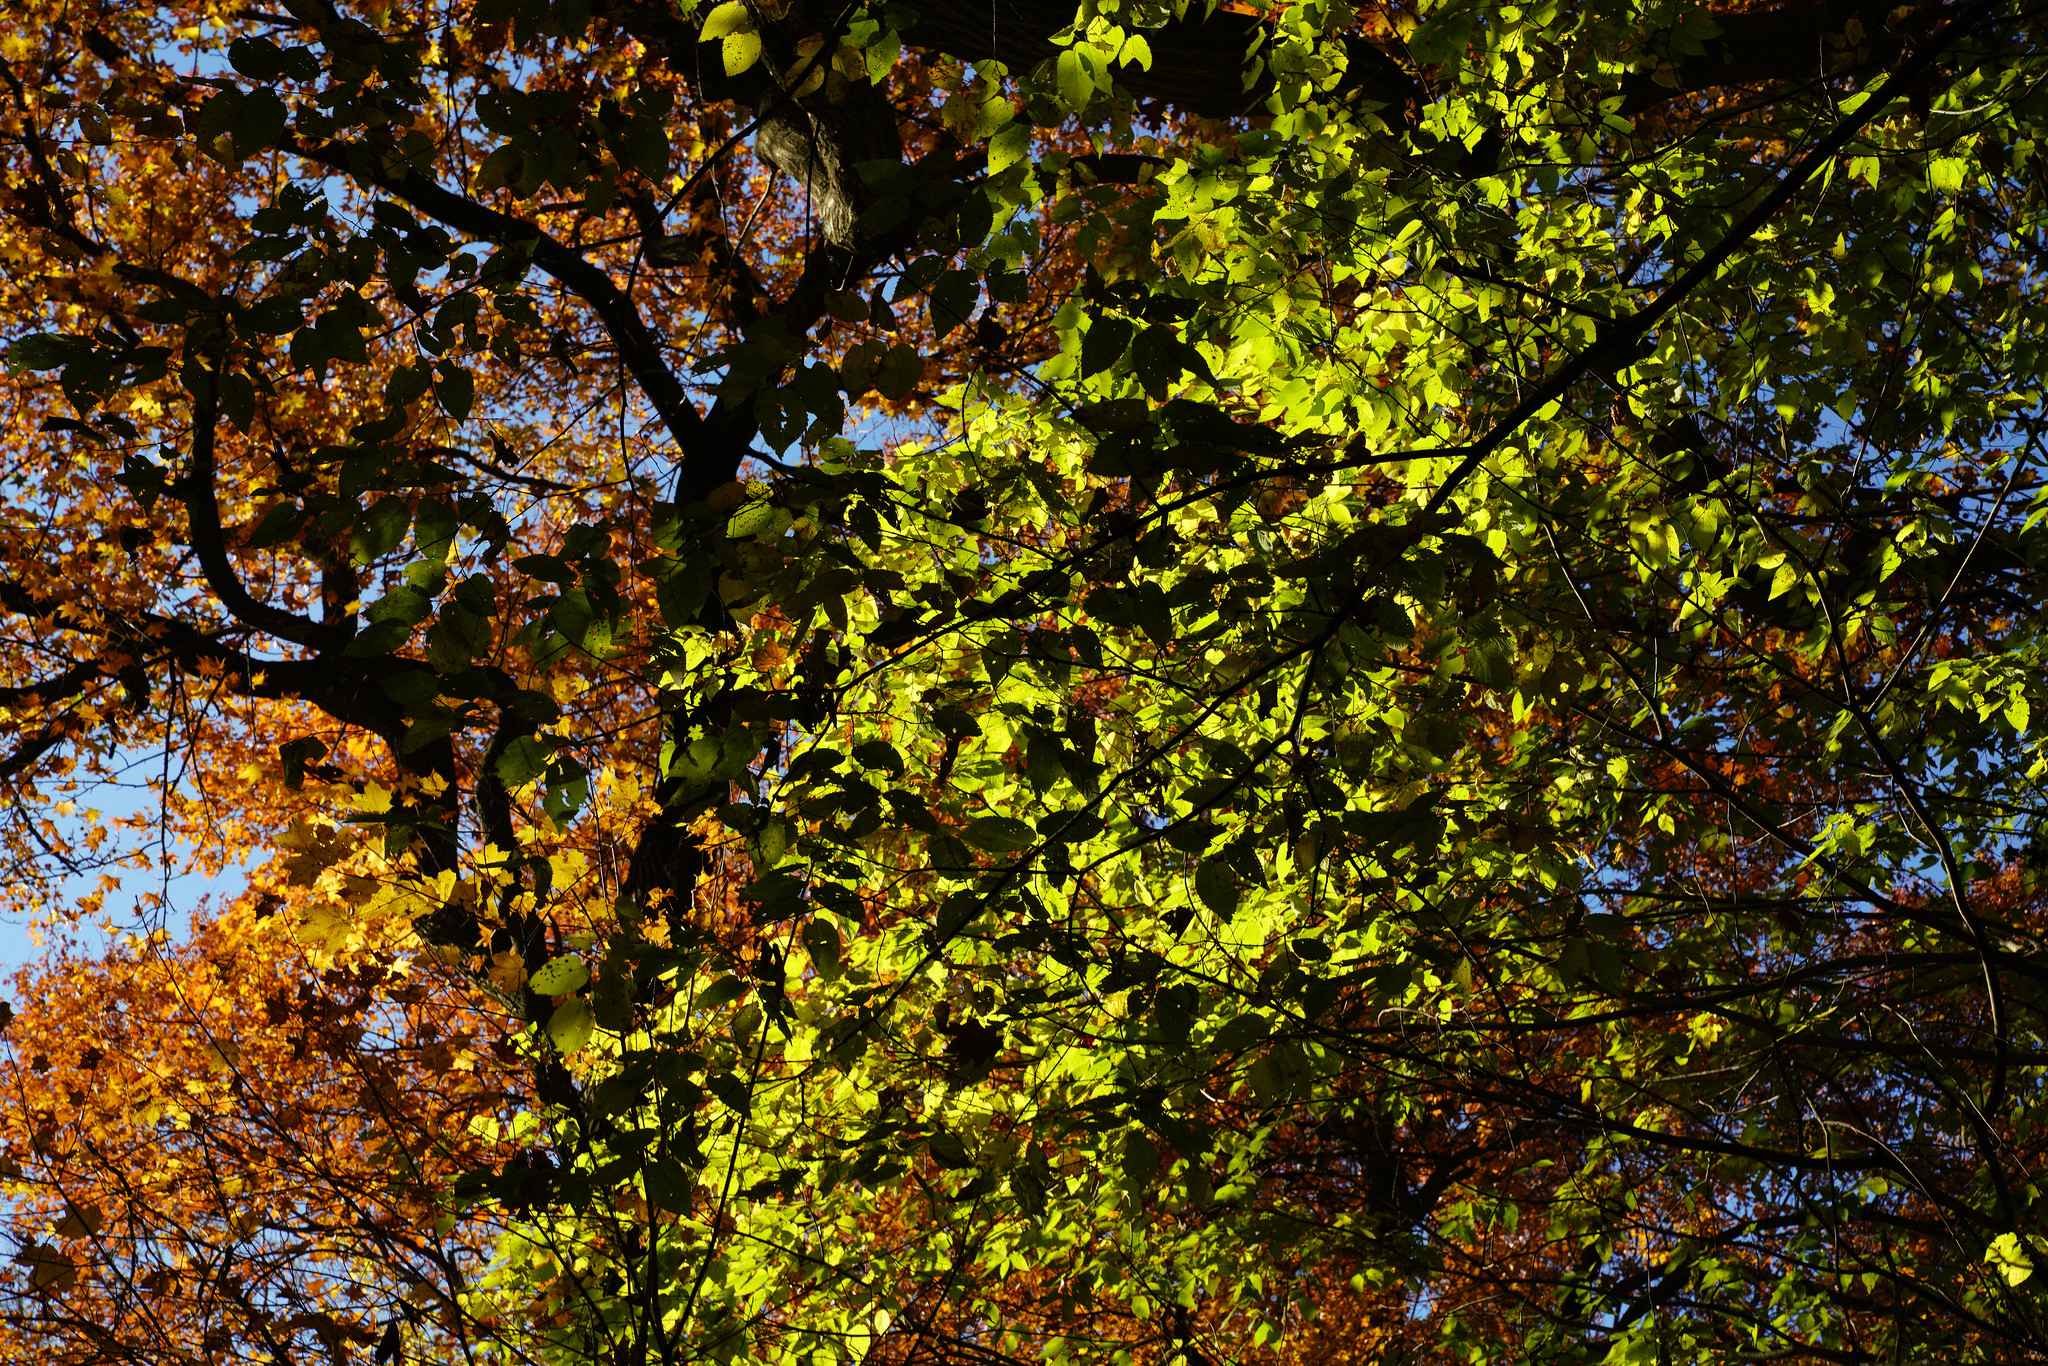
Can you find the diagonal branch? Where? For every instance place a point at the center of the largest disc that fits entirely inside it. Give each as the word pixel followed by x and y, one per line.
pixel 1617 343
pixel 699 441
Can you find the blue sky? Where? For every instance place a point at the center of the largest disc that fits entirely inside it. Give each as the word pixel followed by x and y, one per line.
pixel 183 890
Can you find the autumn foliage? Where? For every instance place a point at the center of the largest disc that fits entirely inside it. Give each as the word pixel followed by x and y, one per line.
pixel 1124 684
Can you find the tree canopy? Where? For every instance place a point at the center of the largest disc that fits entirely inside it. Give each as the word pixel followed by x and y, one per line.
pixel 1140 685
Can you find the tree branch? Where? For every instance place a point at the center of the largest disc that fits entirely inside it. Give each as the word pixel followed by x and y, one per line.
pixel 195 491
pixel 1616 344
pixel 701 443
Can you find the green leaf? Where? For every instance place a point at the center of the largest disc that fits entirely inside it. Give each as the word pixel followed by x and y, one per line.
pixel 821 941
pixel 1174 1010
pixel 953 299
pixel 257 58
pixel 43 351
pixel 721 992
pixel 271 248
pixel 1607 967
pixel 1140 1160
pixel 644 145
pixel 379 638
pixel 381 529
pixel 559 975
pixel 949 1151
pixel 407 383
pixel 732 1091
pixel 1945 175
pixel 1268 1081
pixel 294 755
pixel 1159 357
pixel 259 121
pixel 611 1000
pixel 271 317
pixel 879 754
pixel 957 912
pixel 1217 887
pixel 1043 761
pixel 1241 1032
pixel 948 854
pixel 571 1026
pixel 1009 148
pixel 454 389
pixel 880 54
pixel 751 520
pixel 546 568
pixel 523 761
pixel 899 371
pixel 238 399
pixel 1076 85
pixel 1105 343
pixel 996 113
pixel 671 1185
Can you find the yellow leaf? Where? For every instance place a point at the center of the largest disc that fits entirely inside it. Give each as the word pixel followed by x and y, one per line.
pixel 2010 1257
pixel 811 63
pixel 1785 580
pixel 727 19
pixel 374 800
pixel 740 51
pixel 328 928
pixel 507 971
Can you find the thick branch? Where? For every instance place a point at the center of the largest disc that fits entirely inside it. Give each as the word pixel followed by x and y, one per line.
pixel 817 139
pixel 699 441
pixel 195 491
